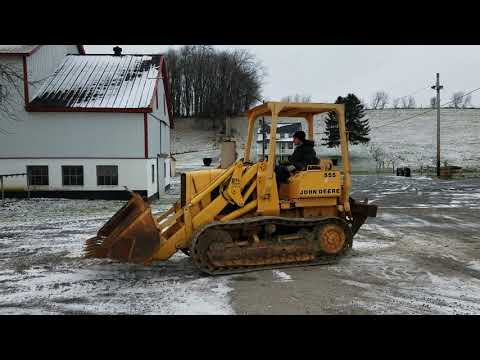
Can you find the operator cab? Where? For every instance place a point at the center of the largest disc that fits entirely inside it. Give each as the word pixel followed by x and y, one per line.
pixel 319 183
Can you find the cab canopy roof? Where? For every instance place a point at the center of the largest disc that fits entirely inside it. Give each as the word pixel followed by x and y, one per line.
pixel 293 109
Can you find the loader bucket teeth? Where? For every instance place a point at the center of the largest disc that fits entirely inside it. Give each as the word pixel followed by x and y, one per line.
pixel 93 248
pixel 131 234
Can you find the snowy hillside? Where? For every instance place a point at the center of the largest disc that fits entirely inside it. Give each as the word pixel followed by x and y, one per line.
pixel 411 143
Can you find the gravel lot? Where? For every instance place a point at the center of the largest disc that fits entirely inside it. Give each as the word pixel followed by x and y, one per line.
pixel 419 256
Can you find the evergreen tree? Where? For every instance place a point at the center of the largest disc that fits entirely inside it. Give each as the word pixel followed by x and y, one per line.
pixel 357 127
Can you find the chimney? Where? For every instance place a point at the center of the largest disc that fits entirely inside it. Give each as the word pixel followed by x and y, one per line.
pixel 117 51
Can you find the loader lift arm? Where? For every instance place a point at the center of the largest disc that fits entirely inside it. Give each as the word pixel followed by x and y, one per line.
pixel 117 239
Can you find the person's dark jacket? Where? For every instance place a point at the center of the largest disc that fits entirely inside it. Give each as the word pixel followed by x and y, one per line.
pixel 303 155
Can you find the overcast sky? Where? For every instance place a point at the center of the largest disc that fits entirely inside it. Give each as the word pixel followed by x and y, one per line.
pixel 325 71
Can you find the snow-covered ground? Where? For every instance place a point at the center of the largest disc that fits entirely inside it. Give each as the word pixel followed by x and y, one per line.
pixel 42 270
pixel 420 255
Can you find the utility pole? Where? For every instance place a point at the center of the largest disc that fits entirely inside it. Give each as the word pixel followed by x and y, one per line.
pixel 438 87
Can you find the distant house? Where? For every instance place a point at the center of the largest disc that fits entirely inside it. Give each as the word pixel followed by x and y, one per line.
pixel 91 125
pixel 284 145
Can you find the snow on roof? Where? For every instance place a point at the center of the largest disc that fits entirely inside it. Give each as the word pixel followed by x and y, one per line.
pixel 17 49
pixel 94 82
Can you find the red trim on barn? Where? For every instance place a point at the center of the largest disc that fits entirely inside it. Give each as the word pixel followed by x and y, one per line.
pixel 25 81
pixel 145 132
pixel 33 108
pixel 163 74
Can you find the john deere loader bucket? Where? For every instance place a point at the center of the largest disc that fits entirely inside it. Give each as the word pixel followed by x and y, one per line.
pixel 131 235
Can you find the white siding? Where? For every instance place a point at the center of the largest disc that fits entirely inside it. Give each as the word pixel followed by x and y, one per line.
pixel 75 135
pixel 159 126
pixel 154 137
pixel 133 173
pixel 43 62
pixel 159 137
pixel 165 139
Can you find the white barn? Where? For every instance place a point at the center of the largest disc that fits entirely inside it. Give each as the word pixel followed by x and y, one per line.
pixel 91 126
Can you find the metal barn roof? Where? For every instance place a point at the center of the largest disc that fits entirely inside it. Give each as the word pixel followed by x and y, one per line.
pixel 100 83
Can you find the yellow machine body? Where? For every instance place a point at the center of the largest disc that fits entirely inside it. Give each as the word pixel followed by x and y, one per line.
pixel 244 190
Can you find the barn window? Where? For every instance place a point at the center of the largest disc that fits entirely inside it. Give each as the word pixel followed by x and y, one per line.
pixel 72 175
pixel 37 175
pixel 107 175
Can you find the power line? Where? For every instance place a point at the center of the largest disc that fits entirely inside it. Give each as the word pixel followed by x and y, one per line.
pixel 423 113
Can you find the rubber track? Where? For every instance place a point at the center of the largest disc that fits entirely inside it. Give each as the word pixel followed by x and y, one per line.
pixel 263 220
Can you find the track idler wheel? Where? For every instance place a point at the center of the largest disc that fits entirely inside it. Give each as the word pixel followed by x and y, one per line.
pixel 331 239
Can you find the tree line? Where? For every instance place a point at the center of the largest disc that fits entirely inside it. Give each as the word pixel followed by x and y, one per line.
pixel 210 83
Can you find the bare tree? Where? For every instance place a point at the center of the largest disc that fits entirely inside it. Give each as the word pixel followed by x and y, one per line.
pixel 297 98
pixel 396 103
pixel 378 155
pixel 457 99
pixel 380 100
pixel 375 100
pixel 11 96
pixel 467 101
pixel 411 104
pixel 395 159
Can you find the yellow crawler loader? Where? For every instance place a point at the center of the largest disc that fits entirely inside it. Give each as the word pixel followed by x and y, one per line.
pixel 236 220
